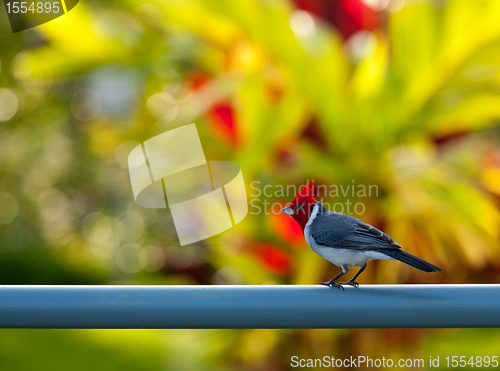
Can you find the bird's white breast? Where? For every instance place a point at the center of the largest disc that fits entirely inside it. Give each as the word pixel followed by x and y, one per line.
pixel 339 256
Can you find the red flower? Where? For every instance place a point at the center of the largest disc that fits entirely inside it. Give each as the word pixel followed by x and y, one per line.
pixel 287 229
pixel 347 16
pixel 274 259
pixel 221 116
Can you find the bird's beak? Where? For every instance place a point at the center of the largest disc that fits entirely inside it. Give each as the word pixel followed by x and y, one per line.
pixel 288 211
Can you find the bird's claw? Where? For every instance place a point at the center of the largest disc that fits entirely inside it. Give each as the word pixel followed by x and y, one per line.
pixel 351 283
pixel 332 284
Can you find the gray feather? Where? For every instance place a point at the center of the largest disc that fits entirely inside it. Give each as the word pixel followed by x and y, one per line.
pixel 344 231
pixel 411 260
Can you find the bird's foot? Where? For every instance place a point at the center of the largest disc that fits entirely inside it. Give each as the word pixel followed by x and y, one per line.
pixel 332 284
pixel 350 283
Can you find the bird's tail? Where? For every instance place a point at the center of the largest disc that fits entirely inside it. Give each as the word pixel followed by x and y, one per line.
pixel 410 259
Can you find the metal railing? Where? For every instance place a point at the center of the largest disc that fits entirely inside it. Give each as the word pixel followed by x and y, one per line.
pixel 369 306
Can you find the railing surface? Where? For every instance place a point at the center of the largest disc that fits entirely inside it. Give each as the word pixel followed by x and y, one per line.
pixel 369 306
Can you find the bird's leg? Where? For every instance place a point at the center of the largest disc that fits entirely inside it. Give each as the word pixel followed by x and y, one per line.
pixel 352 281
pixel 345 269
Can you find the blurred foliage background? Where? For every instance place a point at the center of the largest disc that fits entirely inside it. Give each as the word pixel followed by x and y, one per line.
pixel 400 95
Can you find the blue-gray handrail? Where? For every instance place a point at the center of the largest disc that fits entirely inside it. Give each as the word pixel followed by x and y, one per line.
pixel 369 306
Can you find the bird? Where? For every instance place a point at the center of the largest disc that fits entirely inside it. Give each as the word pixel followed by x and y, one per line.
pixel 345 240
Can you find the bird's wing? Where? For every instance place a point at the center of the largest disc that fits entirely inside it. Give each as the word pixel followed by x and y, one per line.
pixel 344 231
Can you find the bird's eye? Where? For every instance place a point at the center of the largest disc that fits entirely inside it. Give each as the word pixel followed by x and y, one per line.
pixel 300 207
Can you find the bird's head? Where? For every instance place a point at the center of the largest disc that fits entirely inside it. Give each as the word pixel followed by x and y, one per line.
pixel 301 206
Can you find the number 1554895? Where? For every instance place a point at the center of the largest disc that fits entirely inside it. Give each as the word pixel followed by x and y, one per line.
pixel 32 7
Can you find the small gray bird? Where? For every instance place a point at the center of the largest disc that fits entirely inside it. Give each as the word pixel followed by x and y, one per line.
pixel 344 240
